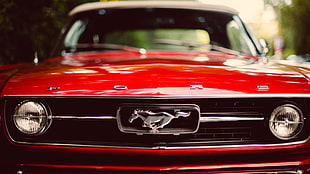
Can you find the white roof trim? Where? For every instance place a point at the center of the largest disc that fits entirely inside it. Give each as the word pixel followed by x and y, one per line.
pixel 158 4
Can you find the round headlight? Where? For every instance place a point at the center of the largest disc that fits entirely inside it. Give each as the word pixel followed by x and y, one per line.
pixel 286 122
pixel 31 117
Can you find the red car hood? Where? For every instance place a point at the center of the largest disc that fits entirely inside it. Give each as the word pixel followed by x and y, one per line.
pixel 152 74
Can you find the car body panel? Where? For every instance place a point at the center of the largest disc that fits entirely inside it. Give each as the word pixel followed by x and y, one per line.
pixel 156 75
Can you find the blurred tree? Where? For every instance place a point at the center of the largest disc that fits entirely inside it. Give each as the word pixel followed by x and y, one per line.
pixel 28 26
pixel 295 24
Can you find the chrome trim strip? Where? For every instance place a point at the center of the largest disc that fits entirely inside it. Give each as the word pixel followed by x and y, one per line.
pixel 230 116
pixel 85 117
pixel 280 95
pixel 202 119
pixel 164 147
pixel 237 146
pixel 230 113
pixel 224 119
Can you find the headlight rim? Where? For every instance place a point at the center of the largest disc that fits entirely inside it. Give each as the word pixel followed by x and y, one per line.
pixel 297 132
pixel 47 123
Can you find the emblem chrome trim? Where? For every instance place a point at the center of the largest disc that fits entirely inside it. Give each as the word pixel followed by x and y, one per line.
pixel 51 88
pixel 156 120
pixel 263 87
pixel 173 119
pixel 120 87
pixel 196 86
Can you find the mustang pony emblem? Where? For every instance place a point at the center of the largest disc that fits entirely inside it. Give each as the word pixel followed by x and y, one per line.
pixel 156 120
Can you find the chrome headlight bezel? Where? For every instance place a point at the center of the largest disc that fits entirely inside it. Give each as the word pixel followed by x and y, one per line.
pixel 32 117
pixel 286 122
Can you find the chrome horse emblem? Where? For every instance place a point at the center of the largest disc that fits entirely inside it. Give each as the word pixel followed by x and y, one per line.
pixel 156 120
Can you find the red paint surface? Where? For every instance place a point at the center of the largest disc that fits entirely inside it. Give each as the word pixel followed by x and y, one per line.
pixel 156 73
pixel 161 74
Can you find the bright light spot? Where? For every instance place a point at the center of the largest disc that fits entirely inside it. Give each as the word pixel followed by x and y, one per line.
pixel 80 71
pixel 249 10
pixel 260 19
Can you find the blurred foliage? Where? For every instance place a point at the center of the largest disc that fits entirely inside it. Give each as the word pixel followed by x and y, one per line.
pixel 28 26
pixel 294 24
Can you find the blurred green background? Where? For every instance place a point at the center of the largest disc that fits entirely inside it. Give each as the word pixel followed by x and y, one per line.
pixel 33 26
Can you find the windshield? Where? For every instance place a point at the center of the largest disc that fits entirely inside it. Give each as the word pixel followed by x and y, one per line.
pixel 155 29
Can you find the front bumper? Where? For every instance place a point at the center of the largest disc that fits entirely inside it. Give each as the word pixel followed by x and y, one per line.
pixel 10 169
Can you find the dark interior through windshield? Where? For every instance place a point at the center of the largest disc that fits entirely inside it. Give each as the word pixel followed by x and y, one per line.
pixel 156 29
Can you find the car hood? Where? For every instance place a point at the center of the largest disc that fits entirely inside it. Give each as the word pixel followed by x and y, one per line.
pixel 156 75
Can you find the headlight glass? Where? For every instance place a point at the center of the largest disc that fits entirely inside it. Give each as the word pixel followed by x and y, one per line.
pixel 286 122
pixel 31 117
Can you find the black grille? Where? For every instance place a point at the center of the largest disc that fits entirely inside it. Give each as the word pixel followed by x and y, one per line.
pixel 225 133
pixel 105 132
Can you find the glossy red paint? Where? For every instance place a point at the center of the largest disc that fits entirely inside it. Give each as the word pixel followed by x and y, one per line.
pixel 156 73
pixel 161 74
pixel 134 74
pixel 292 160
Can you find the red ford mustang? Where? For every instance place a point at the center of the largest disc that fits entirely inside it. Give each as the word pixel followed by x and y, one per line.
pixel 155 87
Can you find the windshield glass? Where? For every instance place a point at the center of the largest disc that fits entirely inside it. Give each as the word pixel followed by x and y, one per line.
pixel 155 29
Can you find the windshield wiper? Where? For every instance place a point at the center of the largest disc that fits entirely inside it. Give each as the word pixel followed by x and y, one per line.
pixel 106 46
pixel 195 45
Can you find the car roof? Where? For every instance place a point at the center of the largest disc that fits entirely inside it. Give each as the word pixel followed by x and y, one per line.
pixel 151 4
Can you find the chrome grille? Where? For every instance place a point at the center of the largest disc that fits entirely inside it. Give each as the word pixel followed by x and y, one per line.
pixel 92 122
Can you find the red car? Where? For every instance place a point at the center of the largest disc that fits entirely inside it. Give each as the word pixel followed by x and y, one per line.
pixel 155 87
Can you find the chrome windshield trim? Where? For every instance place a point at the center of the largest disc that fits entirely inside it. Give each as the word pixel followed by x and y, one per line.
pixel 151 4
